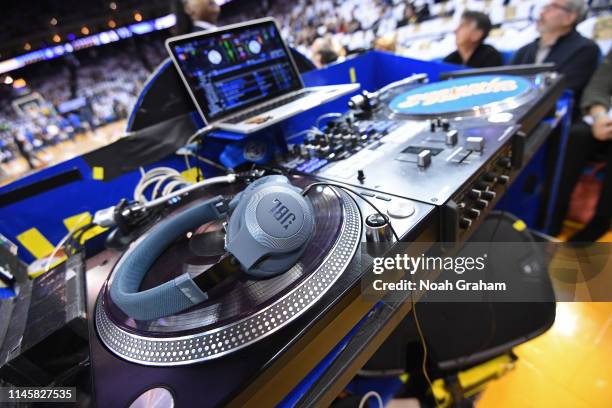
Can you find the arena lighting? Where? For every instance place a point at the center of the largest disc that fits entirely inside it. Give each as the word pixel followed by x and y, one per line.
pixel 113 6
pixel 88 41
pixel 112 24
pixel 57 38
pixel 8 80
pixel 137 16
pixel 53 21
pixel 19 83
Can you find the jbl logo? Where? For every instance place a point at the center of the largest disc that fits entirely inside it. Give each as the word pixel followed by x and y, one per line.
pixel 282 214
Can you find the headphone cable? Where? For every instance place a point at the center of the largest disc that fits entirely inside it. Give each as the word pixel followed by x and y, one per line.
pixel 326 184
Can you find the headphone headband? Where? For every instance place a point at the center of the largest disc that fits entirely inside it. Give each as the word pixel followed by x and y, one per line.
pixel 267 233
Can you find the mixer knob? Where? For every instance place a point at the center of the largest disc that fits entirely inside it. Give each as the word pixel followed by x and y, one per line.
pixel 360 175
pixel 475 143
pixel 488 195
pixel 472 213
pixel 489 176
pixel 465 223
pixel 480 185
pixel 474 194
pixel 481 204
pixel 445 125
pixel 503 179
pixel 304 151
pixel 504 162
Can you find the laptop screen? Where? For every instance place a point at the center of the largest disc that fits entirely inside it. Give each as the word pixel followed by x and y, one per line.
pixel 233 69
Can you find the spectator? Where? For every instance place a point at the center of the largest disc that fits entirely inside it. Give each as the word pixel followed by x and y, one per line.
pixel 409 16
pixel 574 55
pixel 585 140
pixel 24 149
pixel 470 34
pixel 195 15
pixel 326 51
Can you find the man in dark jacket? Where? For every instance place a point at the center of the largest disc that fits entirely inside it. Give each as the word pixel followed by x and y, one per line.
pixel 574 55
pixel 471 51
pixel 594 134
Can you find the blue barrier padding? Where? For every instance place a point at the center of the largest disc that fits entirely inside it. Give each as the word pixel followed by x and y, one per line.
pixel 6 293
pixel 46 211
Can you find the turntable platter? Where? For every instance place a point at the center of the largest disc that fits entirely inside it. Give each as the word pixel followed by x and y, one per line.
pixel 247 309
pixel 461 97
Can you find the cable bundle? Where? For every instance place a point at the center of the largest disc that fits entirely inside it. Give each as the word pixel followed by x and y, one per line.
pixel 162 180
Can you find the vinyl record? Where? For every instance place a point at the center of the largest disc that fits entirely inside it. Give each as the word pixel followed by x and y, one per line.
pixel 243 308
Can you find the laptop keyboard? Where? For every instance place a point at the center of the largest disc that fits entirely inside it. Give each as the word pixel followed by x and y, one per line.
pixel 266 107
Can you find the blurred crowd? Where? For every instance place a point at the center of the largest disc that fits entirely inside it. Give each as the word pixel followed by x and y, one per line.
pixel 97 86
pixel 77 95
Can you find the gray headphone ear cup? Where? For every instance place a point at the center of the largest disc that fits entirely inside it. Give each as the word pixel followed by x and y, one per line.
pixel 276 264
pixel 238 203
pixel 261 243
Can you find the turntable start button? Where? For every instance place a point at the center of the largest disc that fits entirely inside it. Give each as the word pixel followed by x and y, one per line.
pixel 400 209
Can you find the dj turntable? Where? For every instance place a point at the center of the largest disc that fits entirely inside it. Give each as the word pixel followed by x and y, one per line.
pixel 413 164
pixel 203 350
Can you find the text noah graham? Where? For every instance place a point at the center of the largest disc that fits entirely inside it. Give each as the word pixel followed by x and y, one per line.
pixel 446 285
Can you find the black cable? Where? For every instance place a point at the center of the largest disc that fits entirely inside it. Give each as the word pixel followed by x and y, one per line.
pixel 73 243
pixel 326 184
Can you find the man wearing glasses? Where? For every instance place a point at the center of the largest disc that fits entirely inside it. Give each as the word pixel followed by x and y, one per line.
pixel 574 55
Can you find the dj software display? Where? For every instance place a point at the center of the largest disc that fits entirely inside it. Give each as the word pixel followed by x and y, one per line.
pixel 434 159
pixel 238 69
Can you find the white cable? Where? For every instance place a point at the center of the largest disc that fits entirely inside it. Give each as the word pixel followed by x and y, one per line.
pixel 304 132
pixel 230 178
pixel 199 133
pixel 157 176
pixel 325 116
pixel 165 179
pixel 172 185
pixel 367 396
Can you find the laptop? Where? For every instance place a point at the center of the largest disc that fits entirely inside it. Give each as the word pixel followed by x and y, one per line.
pixel 242 77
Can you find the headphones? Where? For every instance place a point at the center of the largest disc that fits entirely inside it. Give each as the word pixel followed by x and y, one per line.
pixel 270 225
